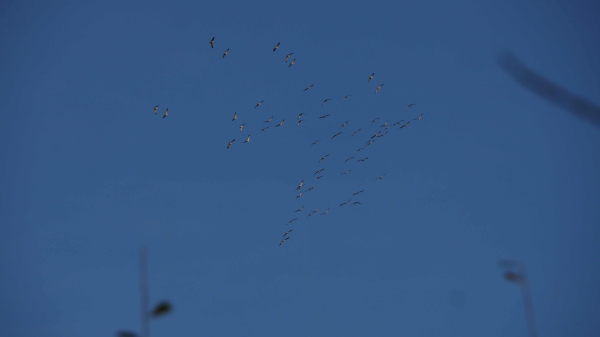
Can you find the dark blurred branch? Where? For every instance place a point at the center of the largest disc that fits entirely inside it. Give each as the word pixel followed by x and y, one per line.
pixel 548 90
pixel 516 273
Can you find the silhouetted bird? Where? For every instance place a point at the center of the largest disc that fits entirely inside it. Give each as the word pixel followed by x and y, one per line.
pixel 155 108
pixel 277 46
pixel 379 87
pixel 231 142
pixel 309 87
pixel 212 42
pixel 257 104
pixel 288 56
pixel 370 78
pixel 225 53
pixel 291 63
pixel 166 113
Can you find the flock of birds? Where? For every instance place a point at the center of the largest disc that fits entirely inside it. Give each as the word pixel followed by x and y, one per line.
pixel 383 130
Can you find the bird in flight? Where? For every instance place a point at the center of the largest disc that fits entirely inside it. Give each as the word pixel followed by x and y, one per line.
pixel 309 87
pixel 344 124
pixel 349 159
pixel 404 125
pixel 384 124
pixel 375 120
pixel 247 140
pixel 380 177
pixel 355 132
pixel 337 134
pixel 325 101
pixel 327 211
pixel 370 78
pixel 166 113
pixel 155 108
pixel 264 129
pixel 313 212
pixel 300 115
pixel 286 233
pixel 231 142
pixel 417 119
pixel 289 222
pixel 344 203
pixel 300 209
pixel 280 123
pixel 242 127
pixel 277 46
pixel 300 121
pixel 356 203
pixel 325 116
pixel 409 106
pixel 212 42
pixel 270 119
pixel 346 97
pixel 377 134
pixel 234 116
pixel 284 240
pixel 323 158
pixel 291 63
pixel 379 87
pixel 300 186
pixel 362 148
pixel 315 142
pixel 359 192
pixel 259 103
pixel 225 53
pixel 369 143
pixel 398 122
pixel 311 188
pixel 346 173
pixel 288 56
pixel 319 177
pixel 363 159
pixel 299 195
pixel 319 171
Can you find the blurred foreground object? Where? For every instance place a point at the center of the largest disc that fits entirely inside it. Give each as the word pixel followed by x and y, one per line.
pixel 516 273
pixel 161 309
pixel 548 90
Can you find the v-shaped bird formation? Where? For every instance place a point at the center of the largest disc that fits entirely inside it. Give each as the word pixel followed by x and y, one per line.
pixel 311 118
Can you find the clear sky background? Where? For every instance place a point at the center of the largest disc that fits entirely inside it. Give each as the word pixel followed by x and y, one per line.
pixel 89 174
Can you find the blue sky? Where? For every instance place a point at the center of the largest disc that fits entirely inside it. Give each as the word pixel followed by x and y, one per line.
pixel 89 174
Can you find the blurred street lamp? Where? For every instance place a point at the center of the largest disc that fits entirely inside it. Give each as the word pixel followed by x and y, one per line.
pixel 516 273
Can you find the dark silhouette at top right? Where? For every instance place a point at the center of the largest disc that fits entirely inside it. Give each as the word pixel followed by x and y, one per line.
pixel 548 90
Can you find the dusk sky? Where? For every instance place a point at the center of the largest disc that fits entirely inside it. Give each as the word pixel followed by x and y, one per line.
pixel 89 174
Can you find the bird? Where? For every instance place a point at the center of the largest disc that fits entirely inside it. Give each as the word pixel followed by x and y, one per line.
pixel 363 159
pixel 375 120
pixel 212 42
pixel 370 78
pixel 257 104
pixel 288 56
pixel 409 105
pixel 377 134
pixel 300 121
pixel 362 148
pixel 344 124
pixel 231 142
pixel 319 177
pixel 284 240
pixel 315 142
pixel 242 127
pixel 384 124
pixel 359 192
pixel 323 158
pixel 355 132
pixel 345 172
pixel 264 129
pixel 311 188
pixel 299 209
pixel 270 119
pixel 346 97
pixel 166 113
pixel 349 159
pixel 319 171
pixel 325 101
pixel 404 125
pixel 225 53
pixel 234 116
pixel 155 108
pixel 286 233
pixel 380 177
pixel 279 123
pixel 337 134
pixel 299 195
pixel 161 309
pixel 301 184
pixel 310 86
pixel 327 211
pixel 356 203
pixel 313 212
pixel 416 119
pixel 289 222
pixel 300 115
pixel 379 87
pixel 325 116
pixel 369 143
pixel 247 140
pixel 277 46
pixel 398 122
pixel 344 203
pixel 291 63
pixel 385 132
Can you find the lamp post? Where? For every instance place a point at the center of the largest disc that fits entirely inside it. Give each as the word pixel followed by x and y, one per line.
pixel 516 273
